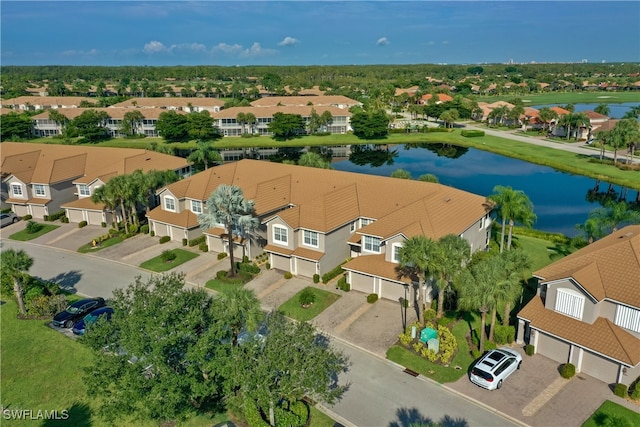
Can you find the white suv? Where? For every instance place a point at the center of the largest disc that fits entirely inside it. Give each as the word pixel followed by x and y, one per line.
pixel 494 367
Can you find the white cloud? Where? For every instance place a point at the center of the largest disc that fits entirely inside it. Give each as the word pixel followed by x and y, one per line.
pixel 72 52
pixel 256 50
pixel 382 41
pixel 288 41
pixel 154 47
pixel 228 48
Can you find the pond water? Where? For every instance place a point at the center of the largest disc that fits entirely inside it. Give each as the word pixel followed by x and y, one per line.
pixel 560 200
pixel 616 111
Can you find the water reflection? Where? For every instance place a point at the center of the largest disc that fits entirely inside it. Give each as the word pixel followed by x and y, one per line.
pixel 561 200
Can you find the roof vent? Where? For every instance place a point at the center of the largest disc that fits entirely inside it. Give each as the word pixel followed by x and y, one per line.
pixel 447 199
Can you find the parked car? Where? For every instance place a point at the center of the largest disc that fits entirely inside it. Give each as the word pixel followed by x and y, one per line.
pixel 76 311
pixel 8 218
pixel 494 367
pixel 80 327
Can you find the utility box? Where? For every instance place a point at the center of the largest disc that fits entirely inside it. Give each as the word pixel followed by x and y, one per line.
pixel 427 333
pixel 434 344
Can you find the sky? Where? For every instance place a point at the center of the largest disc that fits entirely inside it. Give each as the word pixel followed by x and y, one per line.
pixel 231 33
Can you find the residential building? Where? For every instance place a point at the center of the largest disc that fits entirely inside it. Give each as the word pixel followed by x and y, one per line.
pixel 338 101
pixel 42 179
pixel 34 103
pixel 312 219
pixel 587 309
pixel 186 104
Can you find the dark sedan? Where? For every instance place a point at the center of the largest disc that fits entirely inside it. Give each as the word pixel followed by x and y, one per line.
pixel 76 311
pixel 80 327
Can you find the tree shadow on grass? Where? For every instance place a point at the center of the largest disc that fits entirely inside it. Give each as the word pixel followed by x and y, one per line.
pixel 78 415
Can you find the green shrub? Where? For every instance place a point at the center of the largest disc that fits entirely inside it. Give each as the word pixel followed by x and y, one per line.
pixel 33 227
pixel 471 133
pixel 46 305
pixel 288 275
pixel 268 266
pixel 144 229
pixel 133 229
pixel 184 241
pixel 64 219
pixel 222 255
pixel 504 334
pixel 82 224
pixel 114 231
pixel 634 389
pixel 203 247
pixel 55 216
pixel 221 274
pixel 27 217
pixel 619 390
pixel 429 316
pixel 197 241
pixel 343 285
pixel 168 255
pixel 249 267
pixel 371 298
pixel 490 345
pixel 529 349
pixel 568 370
pixel 316 278
pixel 103 224
pixel 476 353
pixel 333 273
pixel 307 297
pixel 164 239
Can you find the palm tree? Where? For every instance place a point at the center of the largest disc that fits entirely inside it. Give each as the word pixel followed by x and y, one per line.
pixel 15 265
pixel 602 109
pixel 614 214
pixel 447 261
pixel 626 131
pixel 105 195
pixel 592 229
pixel 240 309
pixel 414 261
pixel 547 115
pixel 512 205
pixel 204 153
pixel 516 263
pixel 227 206
pixel 241 118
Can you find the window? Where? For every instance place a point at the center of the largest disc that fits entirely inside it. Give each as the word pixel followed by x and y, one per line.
pixel 279 234
pixel 364 222
pixel 311 238
pixel 83 190
pixel 353 226
pixel 569 302
pixel 396 252
pixel 169 204
pixel 16 189
pixel 39 190
pixel 196 206
pixel 628 318
pixel 372 244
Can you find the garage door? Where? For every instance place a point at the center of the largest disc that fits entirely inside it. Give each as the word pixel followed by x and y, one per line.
pixel 305 268
pixel 280 262
pixel 95 218
pixel 393 291
pixel 552 348
pixel 74 215
pixel 160 229
pixel 599 368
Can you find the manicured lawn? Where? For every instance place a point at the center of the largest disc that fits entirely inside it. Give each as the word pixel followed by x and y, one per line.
pixel 564 98
pixel 292 308
pixel 89 248
pixel 24 235
pixel 463 359
pixel 603 416
pixel 158 265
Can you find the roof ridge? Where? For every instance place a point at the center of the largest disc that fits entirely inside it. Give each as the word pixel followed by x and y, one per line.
pixel 614 331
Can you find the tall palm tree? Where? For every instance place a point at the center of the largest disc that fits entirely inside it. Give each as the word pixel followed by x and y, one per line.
pixel 240 309
pixel 592 229
pixel 15 265
pixel 516 263
pixel 626 131
pixel 414 261
pixel 614 214
pixel 227 206
pixel 105 195
pixel 204 153
pixel 512 206
pixel 547 115
pixel 446 262
pixel 241 118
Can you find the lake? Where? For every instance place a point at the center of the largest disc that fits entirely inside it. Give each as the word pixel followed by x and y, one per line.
pixel 616 111
pixel 559 199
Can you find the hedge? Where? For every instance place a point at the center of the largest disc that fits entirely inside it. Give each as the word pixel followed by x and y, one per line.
pixel 471 133
pixel 333 273
pixel 197 241
pixel 55 216
pixel 164 239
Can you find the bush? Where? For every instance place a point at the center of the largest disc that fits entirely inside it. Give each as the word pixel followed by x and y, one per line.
pixel 568 370
pixel 490 345
pixel 504 334
pixel 222 255
pixel 203 247
pixel 288 275
pixel 316 278
pixel 529 349
pixel 476 353
pixel 144 229
pixel 164 239
pixel 343 285
pixel 197 241
pixel 133 229
pixel 268 266
pixel 103 224
pixel 429 316
pixel 249 267
pixel 620 390
pixel 114 231
pixel 471 133
pixel 221 274
pixel 634 389
pixel 152 233
pixel 55 216
pixel 333 273
pixel 307 297
pixel 82 224
pixel 27 217
pixel 184 241
pixel 46 305
pixel 64 219
pixel 33 227
pixel 371 298
pixel 168 255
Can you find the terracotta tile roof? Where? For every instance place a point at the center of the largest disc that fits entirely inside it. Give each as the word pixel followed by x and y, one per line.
pixel 52 163
pixel 278 250
pixel 560 111
pixel 269 111
pixel 57 101
pixel 608 268
pixel 309 254
pixel 84 203
pixel 602 336
pixel 185 219
pixel 442 97
pixel 113 112
pixel 375 265
pixel 592 115
pixel 323 100
pixel 38 201
pixel 324 199
pixel 170 102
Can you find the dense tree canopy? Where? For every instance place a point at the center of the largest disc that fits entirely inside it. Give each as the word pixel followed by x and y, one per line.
pixel 286 126
pixel 370 125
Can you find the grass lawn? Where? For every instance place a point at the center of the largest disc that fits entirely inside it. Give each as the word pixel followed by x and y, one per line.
pixel 89 248
pixel 463 359
pixel 610 409
pixel 158 265
pixel 292 308
pixel 24 235
pixel 564 98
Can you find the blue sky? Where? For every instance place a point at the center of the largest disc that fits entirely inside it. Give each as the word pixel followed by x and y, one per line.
pixel 317 32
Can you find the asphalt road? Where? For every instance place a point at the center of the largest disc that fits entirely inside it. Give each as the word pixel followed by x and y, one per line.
pixel 380 393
